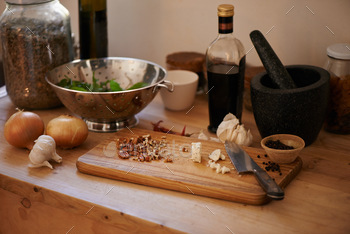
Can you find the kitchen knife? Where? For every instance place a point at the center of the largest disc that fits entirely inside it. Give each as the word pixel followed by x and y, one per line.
pixel 243 163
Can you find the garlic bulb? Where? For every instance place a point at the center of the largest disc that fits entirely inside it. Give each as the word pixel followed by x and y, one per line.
pixel 230 130
pixel 241 136
pixel 226 127
pixel 44 150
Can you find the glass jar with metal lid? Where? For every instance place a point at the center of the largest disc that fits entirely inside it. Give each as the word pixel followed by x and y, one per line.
pixel 36 37
pixel 338 65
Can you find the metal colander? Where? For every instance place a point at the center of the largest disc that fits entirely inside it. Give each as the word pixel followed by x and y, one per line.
pixel 109 111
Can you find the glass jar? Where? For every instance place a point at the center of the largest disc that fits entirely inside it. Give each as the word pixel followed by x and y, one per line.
pixel 36 37
pixel 338 65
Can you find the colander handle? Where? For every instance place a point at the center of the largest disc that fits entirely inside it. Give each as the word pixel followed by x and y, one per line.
pixel 166 84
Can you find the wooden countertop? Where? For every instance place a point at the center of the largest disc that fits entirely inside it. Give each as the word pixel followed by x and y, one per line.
pixel 65 201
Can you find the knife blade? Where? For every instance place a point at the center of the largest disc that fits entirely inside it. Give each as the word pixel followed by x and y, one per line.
pixel 243 163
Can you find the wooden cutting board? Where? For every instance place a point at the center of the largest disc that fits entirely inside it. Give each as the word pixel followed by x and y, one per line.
pixel 183 174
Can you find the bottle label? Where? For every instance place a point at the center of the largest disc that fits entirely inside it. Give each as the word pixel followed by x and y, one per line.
pixel 225 26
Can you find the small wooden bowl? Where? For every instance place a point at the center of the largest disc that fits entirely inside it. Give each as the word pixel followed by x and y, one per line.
pixel 284 155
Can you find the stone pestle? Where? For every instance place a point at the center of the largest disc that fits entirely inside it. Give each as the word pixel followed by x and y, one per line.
pixel 274 67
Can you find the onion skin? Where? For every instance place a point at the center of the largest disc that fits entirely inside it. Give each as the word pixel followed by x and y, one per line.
pixel 23 128
pixel 67 131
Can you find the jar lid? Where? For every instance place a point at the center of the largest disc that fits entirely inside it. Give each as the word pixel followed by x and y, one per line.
pixel 225 10
pixel 339 51
pixel 186 60
pixel 26 2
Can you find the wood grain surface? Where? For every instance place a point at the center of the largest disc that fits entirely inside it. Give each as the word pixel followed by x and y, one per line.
pixel 183 174
pixel 63 200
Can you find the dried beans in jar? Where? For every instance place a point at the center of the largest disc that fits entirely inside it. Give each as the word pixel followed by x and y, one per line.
pixel 36 37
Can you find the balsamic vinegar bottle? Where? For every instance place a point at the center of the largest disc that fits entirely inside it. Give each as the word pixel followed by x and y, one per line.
pixel 93 29
pixel 225 63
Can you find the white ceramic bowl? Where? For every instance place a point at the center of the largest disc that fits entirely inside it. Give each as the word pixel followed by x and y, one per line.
pixel 185 87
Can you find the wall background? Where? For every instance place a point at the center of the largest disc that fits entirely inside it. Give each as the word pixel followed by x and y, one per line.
pixel 298 30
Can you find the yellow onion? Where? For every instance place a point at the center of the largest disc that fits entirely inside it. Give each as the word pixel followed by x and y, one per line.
pixel 23 128
pixel 67 131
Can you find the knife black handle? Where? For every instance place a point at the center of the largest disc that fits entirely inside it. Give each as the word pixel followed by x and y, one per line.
pixel 269 185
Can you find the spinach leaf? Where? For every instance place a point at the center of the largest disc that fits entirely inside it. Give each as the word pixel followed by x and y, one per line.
pixel 78 88
pixel 106 86
pixel 114 86
pixel 138 85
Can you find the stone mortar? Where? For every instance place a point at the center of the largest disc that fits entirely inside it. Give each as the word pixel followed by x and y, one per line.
pixel 300 111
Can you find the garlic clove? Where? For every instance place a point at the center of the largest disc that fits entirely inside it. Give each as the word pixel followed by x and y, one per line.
pixel 215 155
pixel 218 168
pixel 225 169
pixel 56 157
pixel 222 156
pixel 202 136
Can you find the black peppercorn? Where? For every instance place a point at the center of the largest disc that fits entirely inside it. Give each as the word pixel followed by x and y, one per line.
pixel 277 145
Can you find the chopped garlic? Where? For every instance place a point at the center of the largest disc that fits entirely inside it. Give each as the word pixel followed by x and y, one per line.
pixel 215 155
pixel 215 165
pixel 218 168
pixel 222 157
pixel 225 169
pixel 211 164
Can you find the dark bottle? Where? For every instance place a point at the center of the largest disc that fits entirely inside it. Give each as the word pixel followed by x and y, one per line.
pixel 225 63
pixel 93 29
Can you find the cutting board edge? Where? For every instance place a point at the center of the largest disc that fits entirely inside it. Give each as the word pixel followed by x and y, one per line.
pixel 291 176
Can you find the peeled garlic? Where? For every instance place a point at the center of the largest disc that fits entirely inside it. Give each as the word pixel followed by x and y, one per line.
pixel 215 155
pixel 44 150
pixel 212 163
pixel 225 169
pixel 202 136
pixel 230 130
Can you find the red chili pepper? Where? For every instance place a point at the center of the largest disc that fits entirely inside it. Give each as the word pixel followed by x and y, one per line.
pixel 183 131
pixel 158 128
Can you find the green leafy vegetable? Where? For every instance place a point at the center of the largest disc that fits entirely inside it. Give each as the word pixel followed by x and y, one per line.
pixel 106 86
pixel 138 85
pixel 114 86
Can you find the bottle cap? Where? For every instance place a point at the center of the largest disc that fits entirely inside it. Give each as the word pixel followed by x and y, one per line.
pixel 339 51
pixel 225 10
